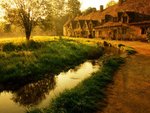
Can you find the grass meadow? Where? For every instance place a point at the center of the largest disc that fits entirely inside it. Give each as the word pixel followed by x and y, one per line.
pixel 24 61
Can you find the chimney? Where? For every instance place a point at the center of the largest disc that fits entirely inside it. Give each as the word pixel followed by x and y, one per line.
pixel 101 8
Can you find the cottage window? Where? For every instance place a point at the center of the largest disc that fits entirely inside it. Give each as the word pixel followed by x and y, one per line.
pixel 77 26
pixel 90 26
pixel 115 19
pixel 143 30
pixel 100 32
pixel 124 31
pixel 125 19
pixel 84 26
pixel 93 34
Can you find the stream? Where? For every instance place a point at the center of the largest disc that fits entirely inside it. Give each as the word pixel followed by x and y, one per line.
pixel 39 94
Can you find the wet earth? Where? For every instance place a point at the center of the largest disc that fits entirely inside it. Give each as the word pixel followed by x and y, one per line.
pixel 130 92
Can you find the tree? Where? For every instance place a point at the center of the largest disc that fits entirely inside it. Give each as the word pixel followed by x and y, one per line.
pixel 73 7
pixel 59 16
pixel 88 10
pixel 7 27
pixel 25 13
pixel 111 3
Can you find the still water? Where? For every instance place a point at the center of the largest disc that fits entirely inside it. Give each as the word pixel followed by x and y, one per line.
pixel 39 94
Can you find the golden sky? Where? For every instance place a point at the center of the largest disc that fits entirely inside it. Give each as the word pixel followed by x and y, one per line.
pixel 93 3
pixel 84 4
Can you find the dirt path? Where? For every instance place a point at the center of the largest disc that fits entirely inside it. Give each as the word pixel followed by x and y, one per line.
pixel 130 92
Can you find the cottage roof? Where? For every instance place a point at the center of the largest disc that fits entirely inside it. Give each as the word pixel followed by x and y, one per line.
pixel 139 6
pixel 68 22
pixel 111 24
pixel 141 23
pixel 130 6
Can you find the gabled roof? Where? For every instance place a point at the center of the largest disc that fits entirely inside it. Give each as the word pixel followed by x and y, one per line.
pixel 141 23
pixel 137 17
pixel 111 24
pixel 139 6
pixel 68 22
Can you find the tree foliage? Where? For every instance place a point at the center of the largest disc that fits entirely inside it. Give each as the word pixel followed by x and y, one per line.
pixel 47 14
pixel 73 7
pixel 111 3
pixel 88 10
pixel 25 13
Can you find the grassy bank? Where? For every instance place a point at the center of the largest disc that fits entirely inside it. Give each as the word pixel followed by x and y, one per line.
pixel 89 95
pixel 22 62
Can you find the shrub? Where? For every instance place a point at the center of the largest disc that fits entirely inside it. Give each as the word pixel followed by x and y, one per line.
pixel 9 47
pixel 31 44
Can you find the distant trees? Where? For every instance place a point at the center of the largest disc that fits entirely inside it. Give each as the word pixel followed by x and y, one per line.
pixel 47 14
pixel 88 10
pixel 73 7
pixel 111 3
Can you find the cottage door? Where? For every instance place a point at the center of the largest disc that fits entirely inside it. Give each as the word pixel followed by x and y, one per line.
pixel 114 34
pixel 93 34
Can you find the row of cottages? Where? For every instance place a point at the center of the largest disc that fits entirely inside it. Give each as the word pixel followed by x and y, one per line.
pixel 126 20
pixel 80 28
pixel 126 25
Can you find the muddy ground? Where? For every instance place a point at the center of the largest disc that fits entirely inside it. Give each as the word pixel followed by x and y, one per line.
pixel 130 92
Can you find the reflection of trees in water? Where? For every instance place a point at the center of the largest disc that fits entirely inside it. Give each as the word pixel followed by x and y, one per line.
pixel 34 93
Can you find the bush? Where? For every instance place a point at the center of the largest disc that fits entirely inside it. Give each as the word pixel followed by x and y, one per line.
pixel 31 44
pixel 9 47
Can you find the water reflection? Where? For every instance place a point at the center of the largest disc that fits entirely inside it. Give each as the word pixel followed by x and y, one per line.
pixel 34 93
pixel 39 94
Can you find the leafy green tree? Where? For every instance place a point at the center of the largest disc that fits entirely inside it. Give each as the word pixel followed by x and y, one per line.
pixel 73 7
pixel 59 14
pixel 88 10
pixel 111 3
pixel 25 13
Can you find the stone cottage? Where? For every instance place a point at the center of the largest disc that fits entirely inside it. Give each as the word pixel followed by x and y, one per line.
pixel 127 20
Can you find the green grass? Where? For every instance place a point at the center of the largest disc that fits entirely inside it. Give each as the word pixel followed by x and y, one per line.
pixel 89 95
pixel 25 61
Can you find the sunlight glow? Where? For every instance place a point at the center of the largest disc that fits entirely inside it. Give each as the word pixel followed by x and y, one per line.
pixel 93 3
pixel 84 5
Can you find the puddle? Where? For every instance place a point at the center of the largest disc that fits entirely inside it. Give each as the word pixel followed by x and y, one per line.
pixel 39 94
